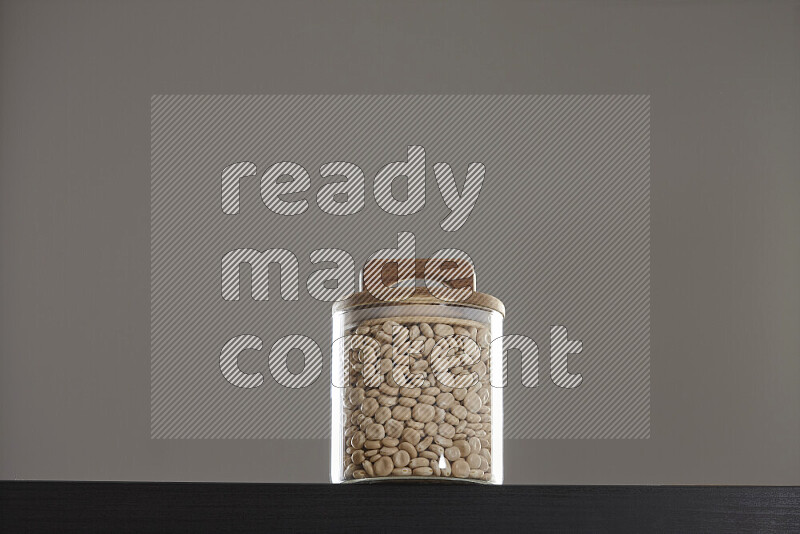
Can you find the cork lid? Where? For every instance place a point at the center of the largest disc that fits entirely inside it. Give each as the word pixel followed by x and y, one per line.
pixel 399 282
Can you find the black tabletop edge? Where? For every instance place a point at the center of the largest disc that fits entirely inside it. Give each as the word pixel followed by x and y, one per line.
pixel 36 506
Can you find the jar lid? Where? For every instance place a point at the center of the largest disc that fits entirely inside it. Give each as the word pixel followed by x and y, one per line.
pixel 386 272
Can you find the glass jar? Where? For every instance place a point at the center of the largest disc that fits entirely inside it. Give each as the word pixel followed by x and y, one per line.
pixel 412 395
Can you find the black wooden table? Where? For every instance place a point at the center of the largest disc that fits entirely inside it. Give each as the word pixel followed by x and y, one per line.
pixel 179 507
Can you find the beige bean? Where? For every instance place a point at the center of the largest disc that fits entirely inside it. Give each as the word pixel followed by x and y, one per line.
pixel 349 470
pixel 402 458
pixel 439 414
pixel 393 428
pixel 383 337
pixel 355 396
pixel 400 336
pixel 411 436
pixel 443 330
pixel 383 466
pixel 419 462
pixel 443 441
pixel 474 461
pixel 430 455
pixel 423 413
pixel 472 402
pixel 422 471
pixel 386 400
pixel 389 377
pixel 426 330
pixel 375 431
pixel 388 451
pixel 452 453
pixel 409 448
pixel 460 469
pixel 425 443
pixel 431 429
pixel 358 457
pixel 388 326
pixel 446 430
pixel 405 401
pixel 401 471
pixel 413 332
pixel 463 447
pixel 382 415
pixel 410 392
pixel 416 425
pixel 372 444
pixel 357 441
pixel 426 399
pixel 459 411
pixel 401 413
pixel 390 442
pixel 369 407
pixel 416 345
pixel 367 465
pixel 419 366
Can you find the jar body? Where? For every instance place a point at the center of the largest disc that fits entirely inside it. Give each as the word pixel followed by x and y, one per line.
pixel 412 395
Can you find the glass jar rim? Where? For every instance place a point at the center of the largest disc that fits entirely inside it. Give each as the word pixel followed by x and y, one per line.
pixel 421 295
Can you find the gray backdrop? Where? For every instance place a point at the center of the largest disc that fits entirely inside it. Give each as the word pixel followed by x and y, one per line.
pixel 560 232
pixel 77 78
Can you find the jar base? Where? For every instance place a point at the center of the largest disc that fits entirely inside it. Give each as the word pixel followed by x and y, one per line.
pixel 421 479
